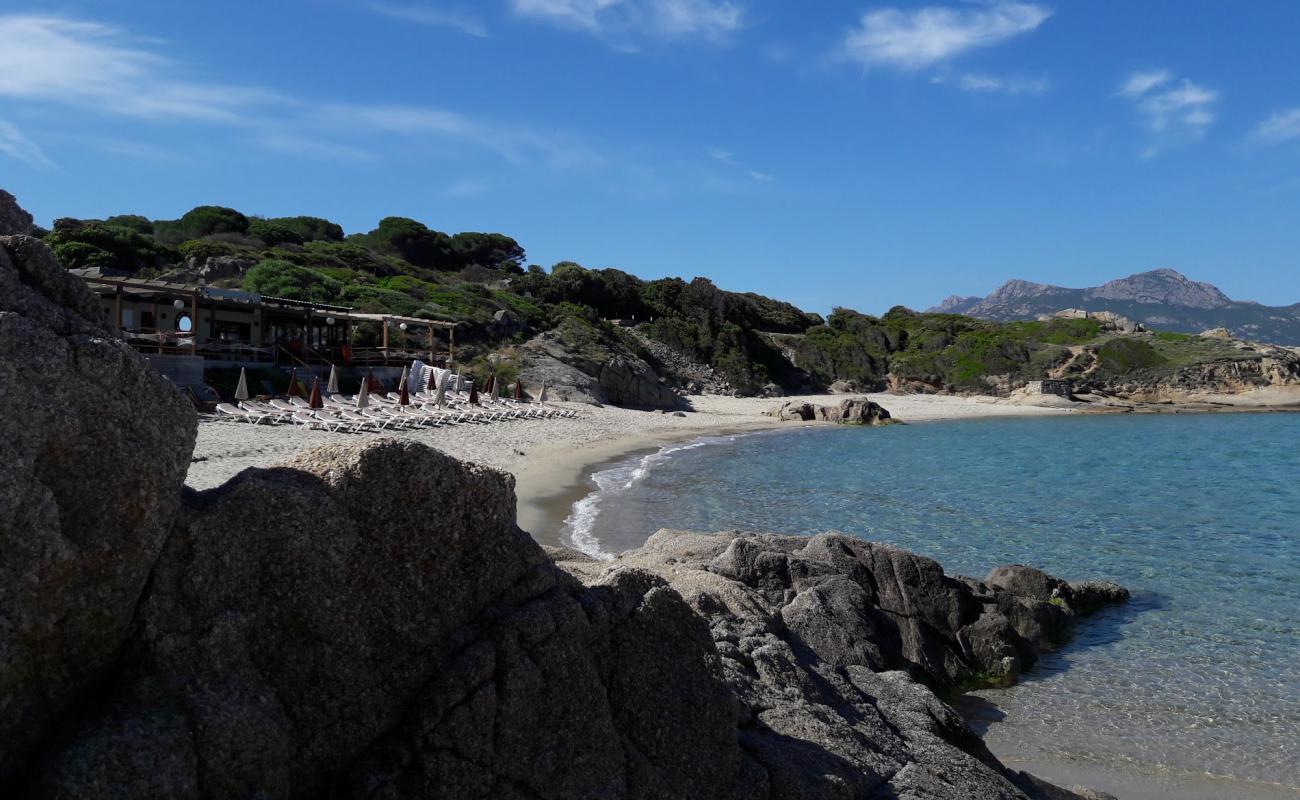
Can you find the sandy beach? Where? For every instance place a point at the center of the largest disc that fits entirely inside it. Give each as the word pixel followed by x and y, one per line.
pixel 552 458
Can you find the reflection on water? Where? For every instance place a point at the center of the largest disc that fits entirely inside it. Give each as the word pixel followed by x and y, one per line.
pixel 1195 514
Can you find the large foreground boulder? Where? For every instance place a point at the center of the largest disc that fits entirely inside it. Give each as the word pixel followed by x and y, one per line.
pixel 94 445
pixel 315 629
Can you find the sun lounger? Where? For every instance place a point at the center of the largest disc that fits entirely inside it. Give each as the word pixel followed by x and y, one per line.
pixel 243 415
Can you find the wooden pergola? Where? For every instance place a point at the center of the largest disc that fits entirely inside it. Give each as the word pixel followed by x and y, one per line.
pixel 387 321
pixel 196 297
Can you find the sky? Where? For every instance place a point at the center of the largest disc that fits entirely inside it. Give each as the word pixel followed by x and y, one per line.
pixel 857 153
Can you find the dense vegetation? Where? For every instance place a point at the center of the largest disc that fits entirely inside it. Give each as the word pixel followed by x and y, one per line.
pixel 479 280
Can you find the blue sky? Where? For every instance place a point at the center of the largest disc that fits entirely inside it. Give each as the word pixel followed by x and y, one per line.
pixel 831 153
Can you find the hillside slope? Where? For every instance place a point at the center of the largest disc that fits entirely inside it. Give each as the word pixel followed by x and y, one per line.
pixel 554 326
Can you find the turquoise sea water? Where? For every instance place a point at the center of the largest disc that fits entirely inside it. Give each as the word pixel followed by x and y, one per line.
pixel 1198 515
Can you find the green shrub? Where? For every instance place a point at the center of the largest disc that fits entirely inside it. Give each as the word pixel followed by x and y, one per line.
pixel 284 279
pixel 273 233
pixel 1123 355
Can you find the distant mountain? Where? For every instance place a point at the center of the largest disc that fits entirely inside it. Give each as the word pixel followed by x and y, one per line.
pixel 1164 299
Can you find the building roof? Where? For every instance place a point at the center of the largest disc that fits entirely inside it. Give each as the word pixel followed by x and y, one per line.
pixel 143 287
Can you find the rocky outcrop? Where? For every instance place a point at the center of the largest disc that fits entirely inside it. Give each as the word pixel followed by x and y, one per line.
pixel 311 630
pixel 820 639
pixel 14 220
pixel 683 371
pixel 94 445
pixel 849 411
pixel 582 362
pixel 210 270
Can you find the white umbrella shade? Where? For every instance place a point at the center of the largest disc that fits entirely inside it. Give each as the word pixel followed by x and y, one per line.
pixel 333 386
pixel 440 399
pixel 363 396
pixel 241 391
pixel 406 374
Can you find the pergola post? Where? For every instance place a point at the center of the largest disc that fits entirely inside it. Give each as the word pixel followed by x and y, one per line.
pixel 384 323
pixel 430 344
pixel 194 323
pixel 117 307
pixel 451 344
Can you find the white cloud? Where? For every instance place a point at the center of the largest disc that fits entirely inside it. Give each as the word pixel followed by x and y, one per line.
pixel 1173 112
pixel 911 40
pixel 1282 126
pixel 624 22
pixel 86 64
pixel 1006 84
pixel 1139 83
pixel 718 154
pixel 695 17
pixel 100 70
pixel 15 144
pixel 434 17
pixel 761 177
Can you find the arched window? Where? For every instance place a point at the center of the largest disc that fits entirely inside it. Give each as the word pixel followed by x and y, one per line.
pixel 183 323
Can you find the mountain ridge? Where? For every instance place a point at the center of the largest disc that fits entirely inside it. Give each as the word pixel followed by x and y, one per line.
pixel 1161 298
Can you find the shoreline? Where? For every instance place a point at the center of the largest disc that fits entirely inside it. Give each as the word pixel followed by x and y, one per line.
pixel 552 460
pixel 553 479
pixel 1150 784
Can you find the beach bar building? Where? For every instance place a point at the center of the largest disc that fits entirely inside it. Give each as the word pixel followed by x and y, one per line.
pixel 182 328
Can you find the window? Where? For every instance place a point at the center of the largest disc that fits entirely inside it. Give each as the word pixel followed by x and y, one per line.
pixel 183 323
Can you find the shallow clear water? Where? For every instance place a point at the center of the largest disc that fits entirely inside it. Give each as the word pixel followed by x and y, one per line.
pixel 1197 515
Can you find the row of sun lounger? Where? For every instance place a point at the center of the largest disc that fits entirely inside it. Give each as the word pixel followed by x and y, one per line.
pixel 340 413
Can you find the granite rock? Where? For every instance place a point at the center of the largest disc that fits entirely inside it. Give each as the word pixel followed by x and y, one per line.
pixel 94 446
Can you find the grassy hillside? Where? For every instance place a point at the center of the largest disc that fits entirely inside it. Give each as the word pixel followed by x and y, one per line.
pixel 480 281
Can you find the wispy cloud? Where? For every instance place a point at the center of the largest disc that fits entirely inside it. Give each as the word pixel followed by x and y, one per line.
pixel 435 17
pixel 1281 126
pixel 59 60
pixel 302 145
pixel 725 156
pixel 1139 83
pixel 102 70
pixel 983 83
pixel 625 23
pixel 515 144
pixel 924 37
pixel 15 144
pixel 1172 111
pixel 719 154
